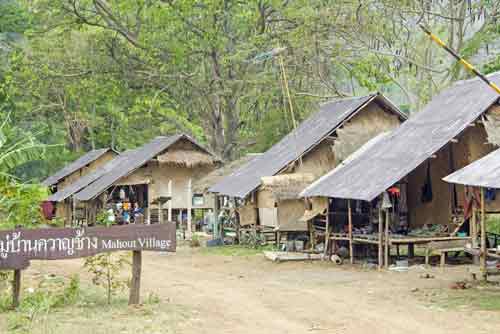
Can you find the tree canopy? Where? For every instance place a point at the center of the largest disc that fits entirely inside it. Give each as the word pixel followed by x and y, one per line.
pixel 96 73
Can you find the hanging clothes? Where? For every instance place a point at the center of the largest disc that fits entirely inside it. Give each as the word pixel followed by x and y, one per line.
pixel 47 209
pixel 122 194
pixel 471 198
pixel 490 194
pixel 403 200
pixel 427 187
pixel 386 201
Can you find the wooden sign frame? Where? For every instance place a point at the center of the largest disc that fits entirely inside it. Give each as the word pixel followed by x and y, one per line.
pixel 18 247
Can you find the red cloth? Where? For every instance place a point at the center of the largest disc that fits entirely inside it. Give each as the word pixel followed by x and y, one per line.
pixel 471 198
pixel 47 209
pixel 394 191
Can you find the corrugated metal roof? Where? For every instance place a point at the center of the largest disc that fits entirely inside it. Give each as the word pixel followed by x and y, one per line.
pixel 484 172
pixel 87 179
pixel 413 142
pixel 294 145
pixel 79 163
pixel 130 163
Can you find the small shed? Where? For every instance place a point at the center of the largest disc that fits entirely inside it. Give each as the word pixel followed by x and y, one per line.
pixel 398 180
pixel 63 178
pixel 157 176
pixel 270 184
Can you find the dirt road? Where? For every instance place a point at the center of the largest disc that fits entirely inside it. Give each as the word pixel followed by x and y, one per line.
pixel 247 294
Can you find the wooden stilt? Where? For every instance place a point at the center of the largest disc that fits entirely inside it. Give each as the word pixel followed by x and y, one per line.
pixel 387 250
pixel 411 251
pixel 349 211
pixel 149 205
pixel 473 232
pixel 16 288
pixel 216 227
pixel 483 238
pixel 380 239
pixel 236 223
pixel 327 232
pixel 189 202
pixel 135 282
pixel 170 200
pixel 311 234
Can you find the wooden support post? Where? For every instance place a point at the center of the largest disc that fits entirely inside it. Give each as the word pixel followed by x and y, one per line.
pixel 73 212
pixel 327 232
pixel 387 250
pixel 483 238
pixel 237 222
pixel 189 202
pixel 216 226
pixel 411 251
pixel 312 240
pixel 149 204
pixel 351 248
pixel 380 239
pixel 473 232
pixel 170 200
pixel 16 288
pixel 135 282
pixel 160 213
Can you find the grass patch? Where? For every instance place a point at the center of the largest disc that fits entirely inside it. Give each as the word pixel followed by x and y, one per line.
pixel 235 250
pixel 478 298
pixel 55 307
pixel 493 223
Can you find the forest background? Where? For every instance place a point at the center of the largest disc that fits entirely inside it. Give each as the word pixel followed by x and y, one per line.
pixel 82 74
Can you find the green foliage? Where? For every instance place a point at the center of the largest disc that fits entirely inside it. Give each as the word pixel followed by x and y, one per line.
pixel 13 18
pixel 20 205
pixel 235 250
pixel 106 270
pixel 50 294
pixel 492 66
pixel 93 76
pixel 493 223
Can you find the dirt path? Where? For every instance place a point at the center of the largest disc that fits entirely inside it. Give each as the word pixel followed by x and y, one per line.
pixel 251 295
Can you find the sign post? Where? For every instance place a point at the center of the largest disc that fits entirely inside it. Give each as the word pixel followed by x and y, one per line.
pixel 18 247
pixel 135 283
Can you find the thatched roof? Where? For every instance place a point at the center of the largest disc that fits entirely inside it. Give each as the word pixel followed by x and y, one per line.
pixel 187 158
pixel 201 186
pixel 287 186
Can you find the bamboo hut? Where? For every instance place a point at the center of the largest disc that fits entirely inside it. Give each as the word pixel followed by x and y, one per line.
pixel 483 178
pixel 63 178
pixel 268 187
pixel 158 176
pixel 391 193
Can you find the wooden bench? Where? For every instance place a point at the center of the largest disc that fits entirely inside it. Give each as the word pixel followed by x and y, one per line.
pixel 442 248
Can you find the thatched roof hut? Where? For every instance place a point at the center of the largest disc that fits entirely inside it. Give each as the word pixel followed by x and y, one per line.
pixel 287 186
pixel 201 186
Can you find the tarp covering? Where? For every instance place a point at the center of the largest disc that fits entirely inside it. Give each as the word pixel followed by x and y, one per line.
pixel 309 134
pixel 484 172
pixel 387 162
